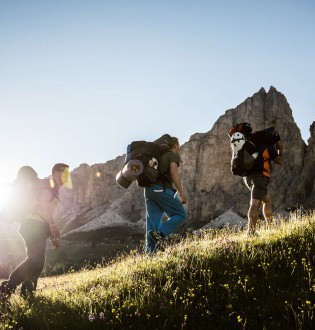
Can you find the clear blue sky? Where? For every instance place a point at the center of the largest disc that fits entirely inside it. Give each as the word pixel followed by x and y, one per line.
pixel 79 80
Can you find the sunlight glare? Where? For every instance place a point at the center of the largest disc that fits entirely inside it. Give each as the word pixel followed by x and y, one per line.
pixel 7 176
pixel 4 192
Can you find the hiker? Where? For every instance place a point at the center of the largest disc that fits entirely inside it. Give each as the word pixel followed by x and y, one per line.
pixel 36 226
pixel 161 198
pixel 257 181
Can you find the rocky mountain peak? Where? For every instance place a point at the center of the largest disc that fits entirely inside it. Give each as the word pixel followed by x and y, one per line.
pixel 262 91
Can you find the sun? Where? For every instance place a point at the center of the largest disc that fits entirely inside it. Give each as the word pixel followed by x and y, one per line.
pixel 7 176
pixel 10 243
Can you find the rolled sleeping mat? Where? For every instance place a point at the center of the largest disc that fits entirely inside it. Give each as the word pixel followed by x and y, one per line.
pixel 129 173
pixel 132 170
pixel 121 181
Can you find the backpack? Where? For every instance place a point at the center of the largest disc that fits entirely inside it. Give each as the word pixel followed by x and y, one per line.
pixel 149 154
pixel 23 199
pixel 244 154
pixel 244 128
pixel 267 136
pixel 246 145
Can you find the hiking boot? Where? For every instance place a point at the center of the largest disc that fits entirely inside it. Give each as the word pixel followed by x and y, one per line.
pixel 158 238
pixel 27 288
pixel 5 290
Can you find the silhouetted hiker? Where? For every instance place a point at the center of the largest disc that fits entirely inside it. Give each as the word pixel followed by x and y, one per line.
pixel 258 177
pixel 161 198
pixel 36 226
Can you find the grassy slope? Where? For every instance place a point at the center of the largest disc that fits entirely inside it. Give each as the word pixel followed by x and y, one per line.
pixel 220 280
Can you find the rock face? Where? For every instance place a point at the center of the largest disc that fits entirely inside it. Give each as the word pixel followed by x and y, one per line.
pixel 227 219
pixel 304 184
pixel 97 203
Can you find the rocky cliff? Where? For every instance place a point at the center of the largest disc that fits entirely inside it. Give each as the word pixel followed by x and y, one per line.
pixel 97 205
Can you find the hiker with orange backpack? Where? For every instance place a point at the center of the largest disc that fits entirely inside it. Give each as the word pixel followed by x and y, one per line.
pixel 251 159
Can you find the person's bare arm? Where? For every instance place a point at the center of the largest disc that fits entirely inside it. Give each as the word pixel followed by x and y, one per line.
pixel 279 159
pixel 176 179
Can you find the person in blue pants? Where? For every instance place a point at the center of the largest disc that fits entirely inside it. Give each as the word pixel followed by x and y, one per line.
pixel 161 198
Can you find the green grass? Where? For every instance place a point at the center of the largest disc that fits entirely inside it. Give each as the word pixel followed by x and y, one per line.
pixel 79 255
pixel 217 280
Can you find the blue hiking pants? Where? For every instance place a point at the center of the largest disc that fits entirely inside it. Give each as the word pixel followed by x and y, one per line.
pixel 159 201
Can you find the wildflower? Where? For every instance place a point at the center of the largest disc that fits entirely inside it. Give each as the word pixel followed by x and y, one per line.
pixel 91 317
pixel 308 302
pixel 102 316
pixel 239 319
pixel 137 313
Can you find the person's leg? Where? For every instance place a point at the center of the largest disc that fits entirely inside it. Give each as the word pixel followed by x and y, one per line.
pixel 154 215
pixel 258 184
pixel 168 201
pixel 267 209
pixel 35 237
pixel 27 287
pixel 253 214
pixel 20 273
pixel 37 252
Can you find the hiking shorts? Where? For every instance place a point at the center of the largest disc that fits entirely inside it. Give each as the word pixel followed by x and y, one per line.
pixel 258 185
